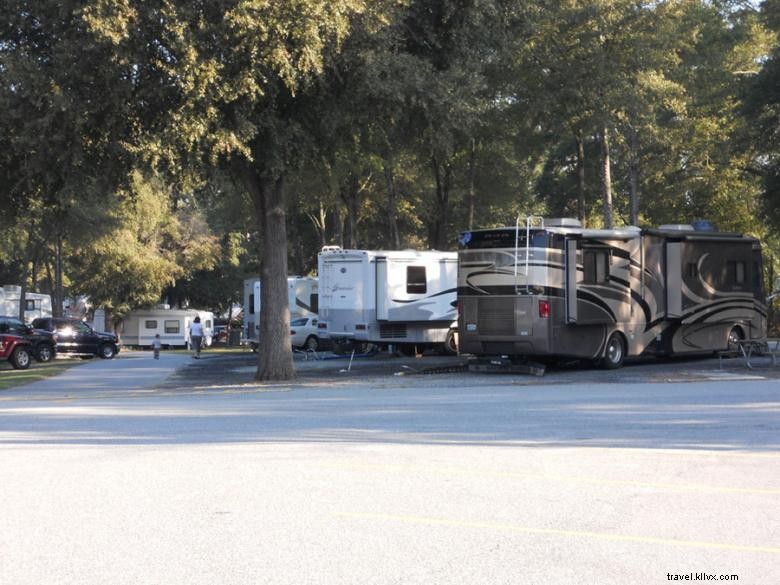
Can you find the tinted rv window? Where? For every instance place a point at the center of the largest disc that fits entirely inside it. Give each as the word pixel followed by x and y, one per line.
pixel 150 324
pixel 416 283
pixel 252 304
pixel 595 266
pixel 736 272
pixel 314 303
pixel 171 326
pixel 29 305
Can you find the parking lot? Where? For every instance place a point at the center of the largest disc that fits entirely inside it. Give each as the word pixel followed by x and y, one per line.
pixel 366 476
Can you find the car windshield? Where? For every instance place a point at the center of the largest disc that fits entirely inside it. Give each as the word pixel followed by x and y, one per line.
pixel 299 322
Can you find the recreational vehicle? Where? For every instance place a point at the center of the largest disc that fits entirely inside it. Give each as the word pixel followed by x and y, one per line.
pixel 551 288
pixel 388 297
pixel 36 305
pixel 173 325
pixel 302 301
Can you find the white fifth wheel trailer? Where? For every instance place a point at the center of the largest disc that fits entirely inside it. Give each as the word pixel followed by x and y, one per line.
pixel 388 297
pixel 173 325
pixel 36 305
pixel 302 301
pixel 550 288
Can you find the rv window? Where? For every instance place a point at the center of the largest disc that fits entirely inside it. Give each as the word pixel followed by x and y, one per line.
pixel 737 272
pixel 29 305
pixel 150 324
pixel 314 303
pixel 207 324
pixel 252 304
pixel 171 326
pixel 416 283
pixel 595 266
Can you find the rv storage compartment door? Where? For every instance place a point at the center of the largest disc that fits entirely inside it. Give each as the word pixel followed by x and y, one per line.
pixel 382 291
pixel 570 282
pixel 673 279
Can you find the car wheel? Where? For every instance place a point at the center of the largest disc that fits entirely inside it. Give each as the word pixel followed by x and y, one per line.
pixel 107 351
pixel 312 343
pixel 615 352
pixel 20 359
pixel 45 353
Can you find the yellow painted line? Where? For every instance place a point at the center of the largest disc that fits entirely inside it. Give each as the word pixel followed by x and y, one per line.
pixel 559 478
pixel 558 532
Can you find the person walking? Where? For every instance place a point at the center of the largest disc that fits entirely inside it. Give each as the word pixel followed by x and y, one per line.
pixel 156 344
pixel 196 337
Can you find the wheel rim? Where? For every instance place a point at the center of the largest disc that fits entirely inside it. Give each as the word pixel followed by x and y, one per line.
pixel 312 344
pixel 615 350
pixel 734 338
pixel 108 352
pixel 44 353
pixel 23 358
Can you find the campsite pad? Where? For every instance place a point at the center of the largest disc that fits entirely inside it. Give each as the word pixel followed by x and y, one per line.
pixel 226 372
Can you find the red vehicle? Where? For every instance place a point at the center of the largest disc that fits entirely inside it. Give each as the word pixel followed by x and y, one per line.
pixel 16 350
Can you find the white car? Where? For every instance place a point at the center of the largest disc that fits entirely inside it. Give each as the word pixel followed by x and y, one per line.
pixel 303 333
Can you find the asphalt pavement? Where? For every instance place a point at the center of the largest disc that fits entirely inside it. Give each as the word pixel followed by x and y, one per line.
pixel 368 477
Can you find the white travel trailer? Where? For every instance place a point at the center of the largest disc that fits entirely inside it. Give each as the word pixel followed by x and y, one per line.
pixel 388 297
pixel 36 305
pixel 173 325
pixel 302 301
pixel 551 288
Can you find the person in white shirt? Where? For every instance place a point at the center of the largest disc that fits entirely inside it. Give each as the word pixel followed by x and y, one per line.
pixel 196 337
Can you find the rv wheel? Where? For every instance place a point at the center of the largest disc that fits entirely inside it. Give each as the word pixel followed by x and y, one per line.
pixel 735 336
pixel 615 352
pixel 451 343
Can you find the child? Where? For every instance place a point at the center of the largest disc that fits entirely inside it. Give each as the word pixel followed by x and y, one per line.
pixel 156 346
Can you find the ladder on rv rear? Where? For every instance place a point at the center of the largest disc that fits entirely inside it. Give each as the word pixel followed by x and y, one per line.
pixel 538 222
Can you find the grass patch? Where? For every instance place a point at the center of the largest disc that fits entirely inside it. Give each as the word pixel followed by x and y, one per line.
pixel 10 378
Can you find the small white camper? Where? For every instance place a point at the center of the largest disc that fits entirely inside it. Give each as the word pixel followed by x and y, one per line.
pixel 173 325
pixel 302 301
pixel 36 305
pixel 388 297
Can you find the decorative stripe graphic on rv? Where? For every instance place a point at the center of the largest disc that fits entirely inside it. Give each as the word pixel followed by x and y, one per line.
pixel 302 305
pixel 449 291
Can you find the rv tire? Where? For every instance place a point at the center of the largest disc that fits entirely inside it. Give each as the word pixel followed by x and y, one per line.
pixel 451 343
pixel 614 353
pixel 735 336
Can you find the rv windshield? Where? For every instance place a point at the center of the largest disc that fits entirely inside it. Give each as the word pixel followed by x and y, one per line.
pixel 503 238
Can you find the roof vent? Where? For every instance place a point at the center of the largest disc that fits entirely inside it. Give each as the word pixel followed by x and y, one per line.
pixel 677 227
pixel 566 222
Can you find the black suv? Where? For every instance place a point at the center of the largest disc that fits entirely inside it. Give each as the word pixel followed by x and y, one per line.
pixel 42 343
pixel 75 337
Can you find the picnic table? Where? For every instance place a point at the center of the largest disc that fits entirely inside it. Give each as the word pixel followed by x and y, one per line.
pixel 754 347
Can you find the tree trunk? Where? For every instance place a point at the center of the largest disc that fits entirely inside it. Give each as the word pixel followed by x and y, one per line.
pixel 275 352
pixel 581 212
pixel 392 204
pixel 437 240
pixel 606 180
pixel 350 195
pixel 58 292
pixel 472 196
pixel 633 175
pixel 25 272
